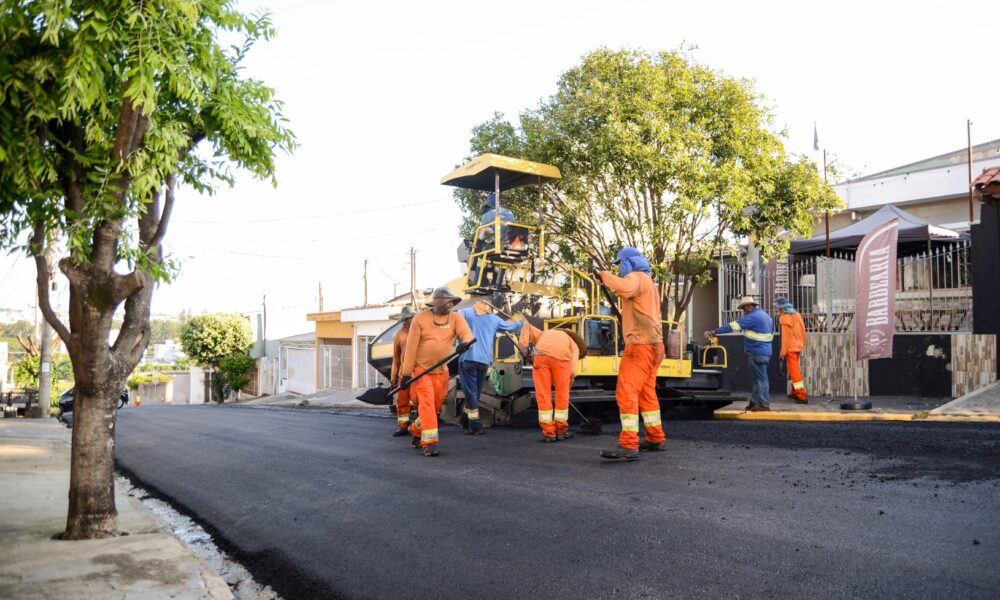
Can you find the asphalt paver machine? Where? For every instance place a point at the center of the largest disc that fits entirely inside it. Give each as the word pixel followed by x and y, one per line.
pixel 506 268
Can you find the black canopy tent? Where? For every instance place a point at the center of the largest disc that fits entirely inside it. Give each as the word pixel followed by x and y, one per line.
pixel 914 234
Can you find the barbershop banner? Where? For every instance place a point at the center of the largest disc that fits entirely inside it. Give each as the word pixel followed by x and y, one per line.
pixel 875 292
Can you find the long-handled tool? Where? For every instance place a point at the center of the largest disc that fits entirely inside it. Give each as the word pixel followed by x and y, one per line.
pixel 381 396
pixel 589 426
pixel 607 295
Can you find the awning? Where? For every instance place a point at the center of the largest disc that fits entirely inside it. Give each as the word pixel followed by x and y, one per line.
pixel 480 173
pixel 914 234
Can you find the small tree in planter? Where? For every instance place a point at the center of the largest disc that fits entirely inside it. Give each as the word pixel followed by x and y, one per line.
pixel 233 370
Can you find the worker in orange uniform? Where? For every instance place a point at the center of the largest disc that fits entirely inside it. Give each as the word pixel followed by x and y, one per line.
pixel 636 389
pixel 793 340
pixel 432 337
pixel 403 396
pixel 556 354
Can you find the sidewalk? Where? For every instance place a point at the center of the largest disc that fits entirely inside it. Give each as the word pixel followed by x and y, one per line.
pixel 983 402
pixel 983 406
pixel 145 562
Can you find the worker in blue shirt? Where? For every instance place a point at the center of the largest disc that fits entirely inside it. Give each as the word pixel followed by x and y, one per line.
pixel 472 365
pixel 489 214
pixel 758 332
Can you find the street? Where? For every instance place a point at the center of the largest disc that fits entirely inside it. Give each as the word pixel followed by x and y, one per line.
pixel 324 505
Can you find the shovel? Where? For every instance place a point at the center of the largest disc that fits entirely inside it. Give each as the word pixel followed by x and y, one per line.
pixel 381 396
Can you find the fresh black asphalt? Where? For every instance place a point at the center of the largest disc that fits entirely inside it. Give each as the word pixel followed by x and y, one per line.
pixel 326 505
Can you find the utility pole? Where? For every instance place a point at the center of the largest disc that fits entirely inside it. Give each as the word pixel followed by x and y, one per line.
pixel 413 278
pixel 42 409
pixel 366 282
pixel 968 132
pixel 321 296
pixel 829 262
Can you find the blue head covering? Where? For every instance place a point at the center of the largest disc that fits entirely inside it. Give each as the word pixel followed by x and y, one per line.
pixel 785 305
pixel 629 260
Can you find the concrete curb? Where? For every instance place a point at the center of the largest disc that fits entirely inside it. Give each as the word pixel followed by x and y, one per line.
pixel 844 417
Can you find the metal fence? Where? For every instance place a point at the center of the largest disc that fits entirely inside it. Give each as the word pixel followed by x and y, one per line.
pixel 933 289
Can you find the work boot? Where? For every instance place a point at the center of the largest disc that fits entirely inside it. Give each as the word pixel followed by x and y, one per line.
pixel 549 440
pixel 475 428
pixel 620 453
pixel 431 450
pixel 414 441
pixel 647 446
pixel 564 436
pixel 801 401
pixel 759 408
pixel 400 432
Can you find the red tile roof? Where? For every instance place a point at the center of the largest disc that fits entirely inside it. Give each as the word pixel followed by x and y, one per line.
pixel 988 183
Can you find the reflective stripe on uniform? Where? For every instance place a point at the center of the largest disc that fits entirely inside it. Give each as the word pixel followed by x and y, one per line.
pixel 798 385
pixel 630 422
pixel 429 435
pixel 758 337
pixel 651 418
pixel 473 415
pixel 401 418
pixel 545 416
pixel 736 326
pixel 562 415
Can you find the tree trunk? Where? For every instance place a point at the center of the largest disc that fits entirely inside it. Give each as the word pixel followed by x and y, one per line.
pixel 99 378
pixel 92 511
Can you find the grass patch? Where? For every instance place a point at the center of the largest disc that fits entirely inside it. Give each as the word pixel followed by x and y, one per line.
pixel 921 415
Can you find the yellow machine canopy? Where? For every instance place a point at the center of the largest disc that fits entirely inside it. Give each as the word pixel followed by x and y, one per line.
pixel 481 173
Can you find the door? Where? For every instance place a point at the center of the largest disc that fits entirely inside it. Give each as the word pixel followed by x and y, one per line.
pixel 368 377
pixel 335 367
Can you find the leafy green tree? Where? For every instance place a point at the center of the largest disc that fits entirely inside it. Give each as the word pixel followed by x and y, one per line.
pixel 26 371
pixel 234 369
pixel 161 330
pixel 207 339
pixel 660 153
pixel 105 108
pixel 12 330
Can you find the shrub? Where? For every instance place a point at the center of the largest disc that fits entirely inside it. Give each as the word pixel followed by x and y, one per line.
pixel 146 379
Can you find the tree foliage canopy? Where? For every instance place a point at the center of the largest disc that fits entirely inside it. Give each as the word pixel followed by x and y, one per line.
pixel 105 107
pixel 660 153
pixel 208 339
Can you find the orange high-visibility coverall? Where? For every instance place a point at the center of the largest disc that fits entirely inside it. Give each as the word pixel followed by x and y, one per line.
pixel 431 339
pixel 402 396
pixel 793 340
pixel 556 357
pixel 636 389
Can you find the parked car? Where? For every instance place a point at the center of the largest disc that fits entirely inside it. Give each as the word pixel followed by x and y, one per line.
pixel 66 400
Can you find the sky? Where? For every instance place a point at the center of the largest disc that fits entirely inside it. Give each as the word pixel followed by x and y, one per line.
pixel 382 97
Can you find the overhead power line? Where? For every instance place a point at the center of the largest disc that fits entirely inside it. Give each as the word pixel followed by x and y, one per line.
pixel 277 256
pixel 255 240
pixel 363 211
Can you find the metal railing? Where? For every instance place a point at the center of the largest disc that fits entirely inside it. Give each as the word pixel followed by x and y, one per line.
pixel 933 289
